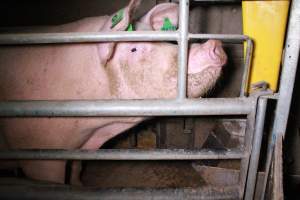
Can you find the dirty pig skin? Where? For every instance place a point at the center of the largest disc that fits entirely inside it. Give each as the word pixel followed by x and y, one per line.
pixel 124 70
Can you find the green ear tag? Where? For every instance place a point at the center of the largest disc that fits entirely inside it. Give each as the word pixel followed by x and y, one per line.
pixel 117 18
pixel 168 26
pixel 130 28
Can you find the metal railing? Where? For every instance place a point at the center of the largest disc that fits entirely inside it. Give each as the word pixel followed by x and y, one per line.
pixel 180 106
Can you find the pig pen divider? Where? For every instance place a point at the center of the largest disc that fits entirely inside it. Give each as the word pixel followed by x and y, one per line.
pixel 181 106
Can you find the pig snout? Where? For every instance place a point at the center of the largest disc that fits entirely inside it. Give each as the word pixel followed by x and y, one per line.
pixel 204 67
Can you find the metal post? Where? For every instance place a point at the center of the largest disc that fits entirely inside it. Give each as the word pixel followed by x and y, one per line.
pixel 288 74
pixel 256 146
pixel 290 63
pixel 183 48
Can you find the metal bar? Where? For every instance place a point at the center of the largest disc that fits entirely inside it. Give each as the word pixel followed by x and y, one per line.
pixel 277 177
pixel 256 146
pixel 288 74
pixel 247 148
pixel 219 106
pixel 219 1
pixel 290 63
pixel 84 37
pixel 213 1
pixel 53 38
pixel 269 159
pixel 247 66
pixel 54 192
pixel 116 154
pixel 234 38
pixel 183 48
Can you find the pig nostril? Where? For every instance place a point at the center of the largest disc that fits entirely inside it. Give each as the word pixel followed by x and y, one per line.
pixel 133 50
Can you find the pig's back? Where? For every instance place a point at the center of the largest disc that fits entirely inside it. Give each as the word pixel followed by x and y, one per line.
pixel 54 71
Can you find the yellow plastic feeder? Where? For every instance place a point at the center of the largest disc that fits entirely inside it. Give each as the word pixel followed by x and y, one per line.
pixel 265 22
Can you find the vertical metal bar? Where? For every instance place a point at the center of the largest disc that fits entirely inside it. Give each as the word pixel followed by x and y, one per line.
pixel 247 149
pixel 289 70
pixel 268 164
pixel 247 66
pixel 290 63
pixel 256 145
pixel 183 48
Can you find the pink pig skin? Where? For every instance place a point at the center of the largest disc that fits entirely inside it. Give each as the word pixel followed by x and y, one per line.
pixel 129 70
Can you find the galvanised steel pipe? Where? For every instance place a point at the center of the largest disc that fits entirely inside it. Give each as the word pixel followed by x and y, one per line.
pixel 117 154
pixel 215 1
pixel 122 36
pixel 256 146
pixel 97 108
pixel 55 38
pixel 245 79
pixel 183 43
pixel 230 38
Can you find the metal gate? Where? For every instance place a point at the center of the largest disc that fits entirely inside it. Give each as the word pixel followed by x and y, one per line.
pixel 253 107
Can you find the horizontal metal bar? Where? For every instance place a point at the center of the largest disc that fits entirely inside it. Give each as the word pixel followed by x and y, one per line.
pixel 116 154
pixel 219 1
pixel 61 192
pixel 235 38
pixel 54 38
pixel 213 1
pixel 65 108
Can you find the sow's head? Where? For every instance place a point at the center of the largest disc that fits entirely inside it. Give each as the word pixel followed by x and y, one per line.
pixel 143 70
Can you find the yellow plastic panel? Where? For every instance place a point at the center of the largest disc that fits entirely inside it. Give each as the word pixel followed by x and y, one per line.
pixel 265 22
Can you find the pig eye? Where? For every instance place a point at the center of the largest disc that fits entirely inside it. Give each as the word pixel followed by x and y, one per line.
pixel 133 50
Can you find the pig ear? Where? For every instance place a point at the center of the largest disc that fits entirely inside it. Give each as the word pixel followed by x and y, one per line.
pixel 119 21
pixel 162 17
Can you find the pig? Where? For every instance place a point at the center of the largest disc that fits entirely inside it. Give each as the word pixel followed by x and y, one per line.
pixel 123 70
